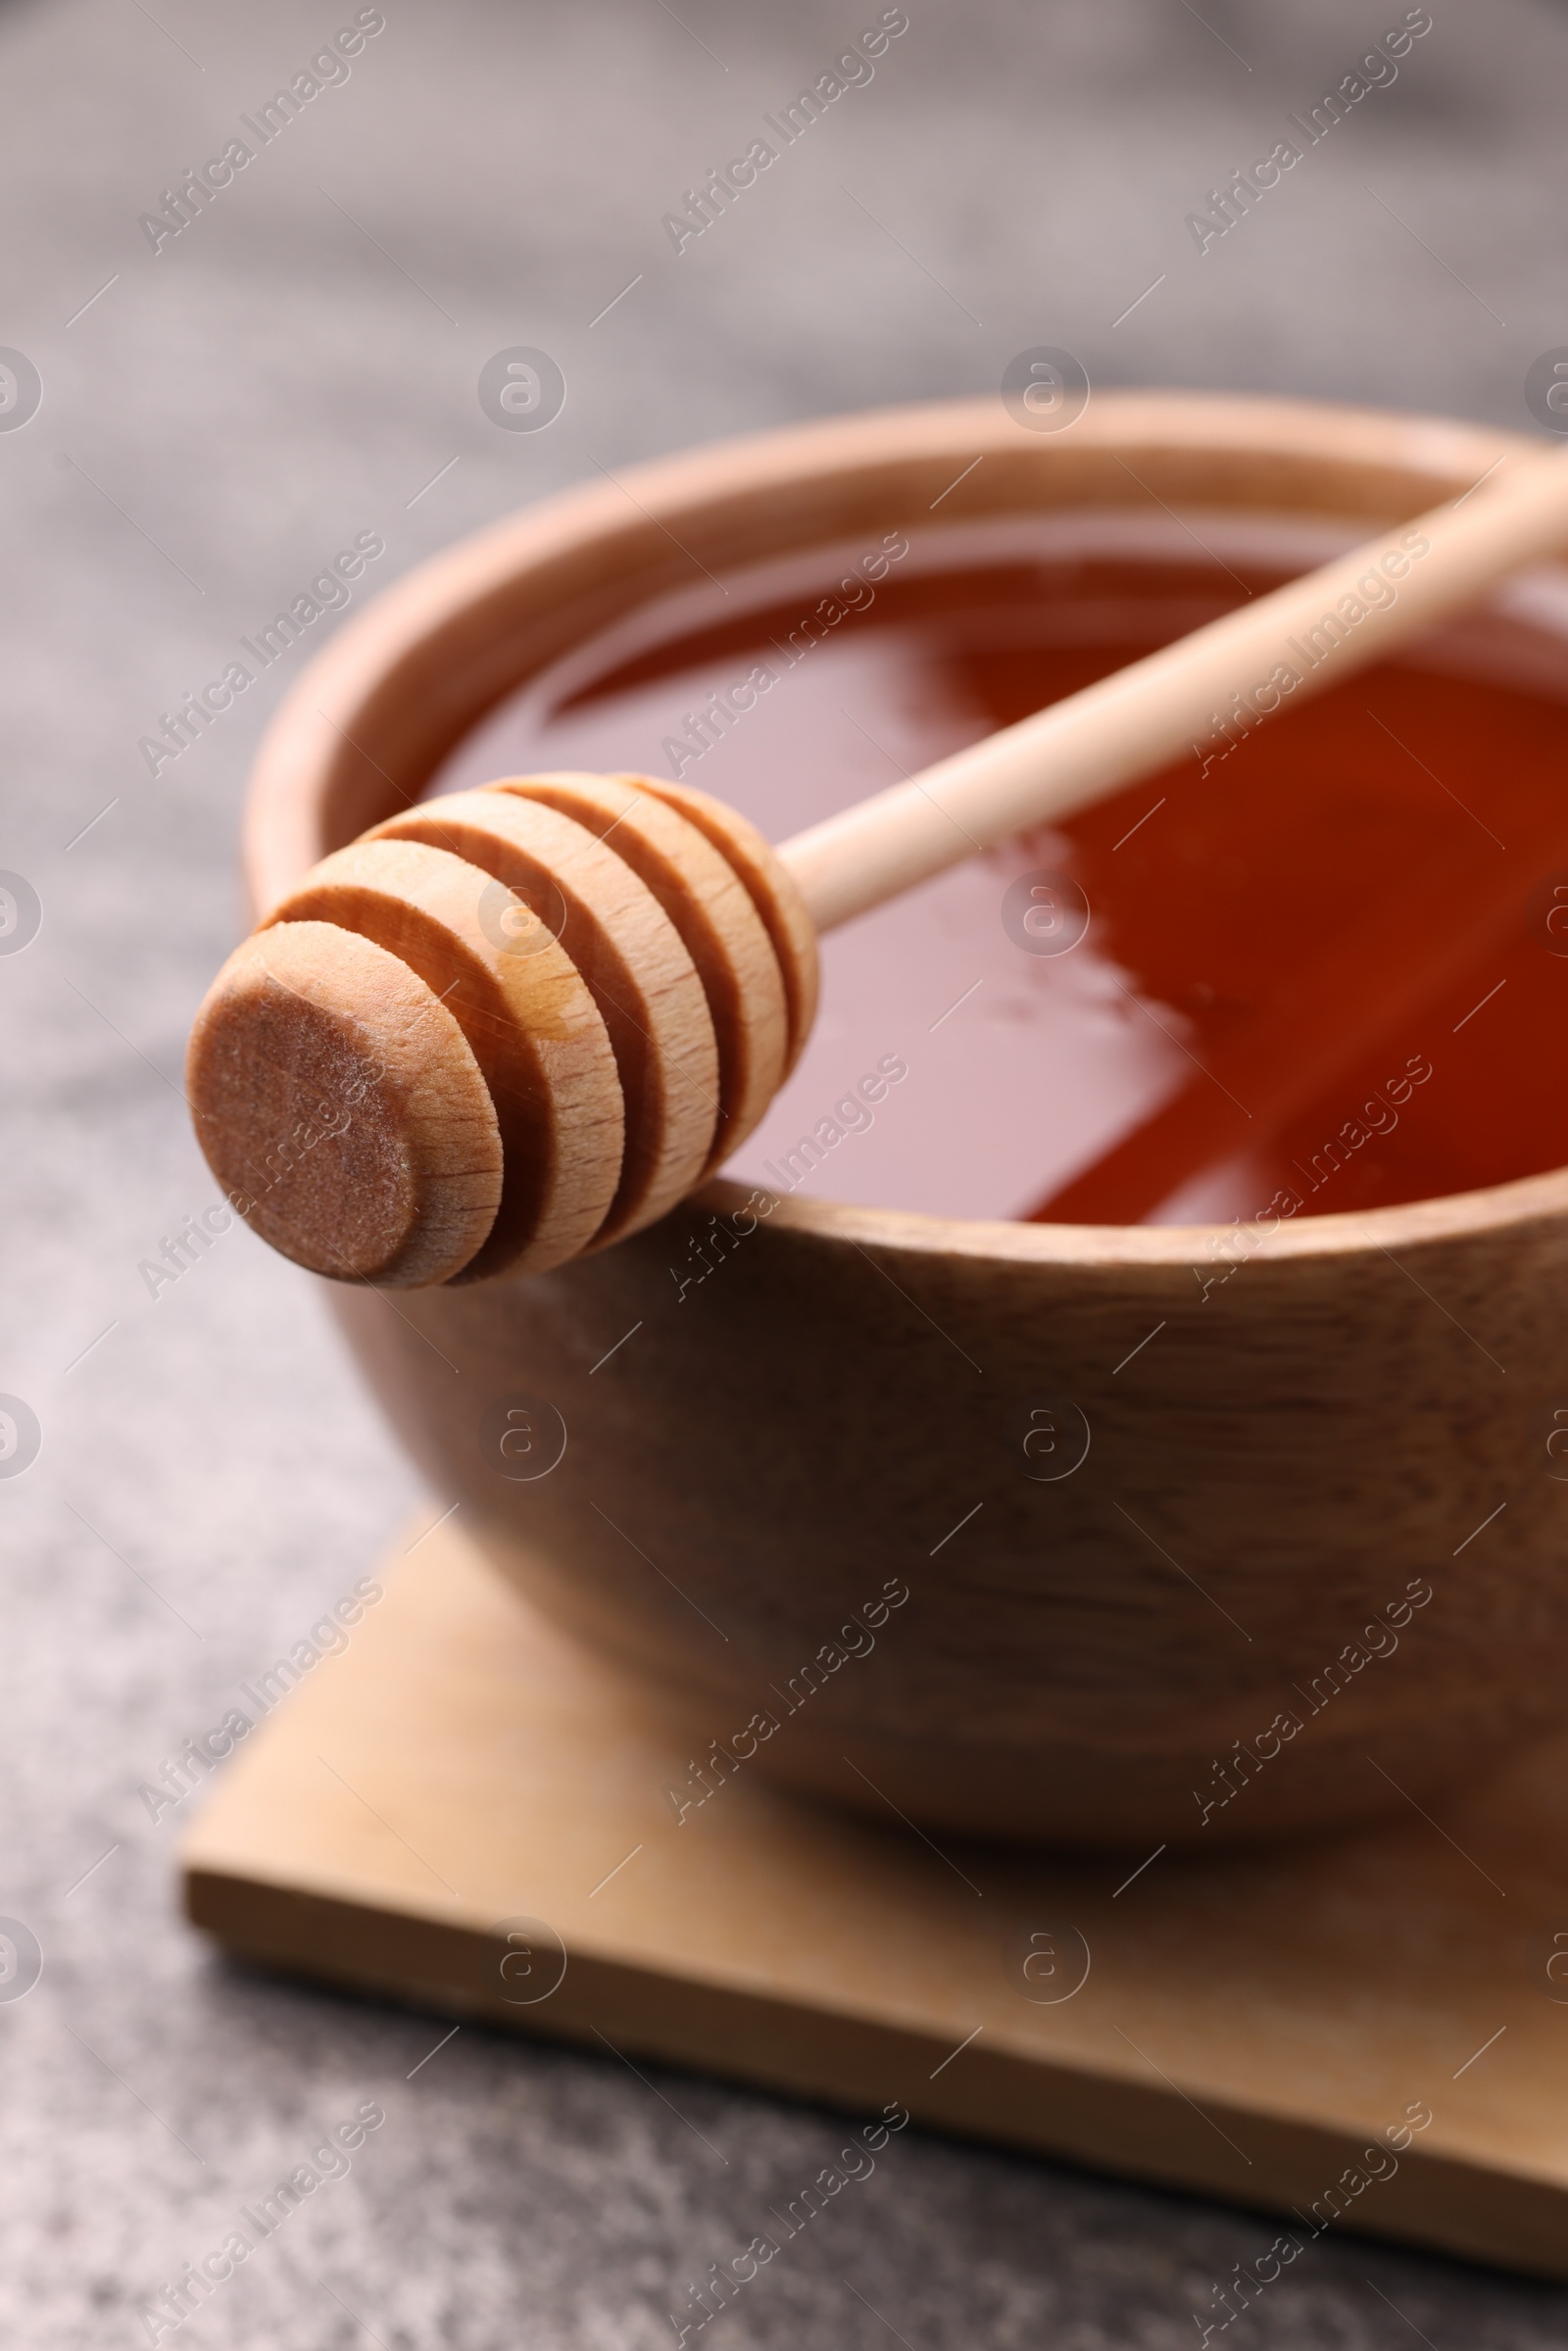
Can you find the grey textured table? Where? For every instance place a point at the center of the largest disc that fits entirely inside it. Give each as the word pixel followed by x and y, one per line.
pixel 299 364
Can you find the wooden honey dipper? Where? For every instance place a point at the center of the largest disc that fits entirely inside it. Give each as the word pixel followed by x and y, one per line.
pixel 517 1024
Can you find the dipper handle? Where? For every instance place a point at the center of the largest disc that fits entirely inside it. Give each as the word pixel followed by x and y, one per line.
pixel 1203 694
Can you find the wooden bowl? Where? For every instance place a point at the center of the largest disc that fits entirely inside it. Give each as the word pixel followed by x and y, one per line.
pixel 1176 1644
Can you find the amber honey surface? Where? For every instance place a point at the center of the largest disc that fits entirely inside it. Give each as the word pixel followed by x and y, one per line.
pixel 1328 973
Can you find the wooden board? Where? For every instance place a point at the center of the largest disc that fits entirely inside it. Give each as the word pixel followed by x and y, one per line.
pixel 1247 2028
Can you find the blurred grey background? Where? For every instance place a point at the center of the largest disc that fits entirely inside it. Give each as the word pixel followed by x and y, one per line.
pixel 298 365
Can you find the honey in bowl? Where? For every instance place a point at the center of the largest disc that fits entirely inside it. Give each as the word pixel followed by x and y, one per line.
pixel 1320 966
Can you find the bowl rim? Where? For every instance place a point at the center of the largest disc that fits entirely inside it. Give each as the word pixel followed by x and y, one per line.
pixel 314 770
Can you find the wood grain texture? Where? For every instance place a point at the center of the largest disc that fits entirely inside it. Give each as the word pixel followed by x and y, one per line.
pixel 719 927
pixel 528 1020
pixel 338 1103
pixel 772 890
pixel 1273 1460
pixel 579 891
pixel 1305 2032
pixel 844 1400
